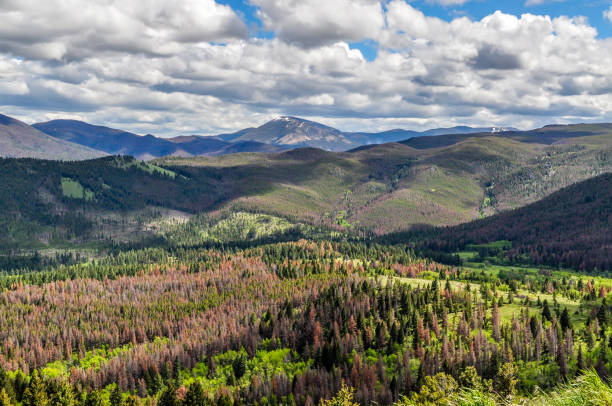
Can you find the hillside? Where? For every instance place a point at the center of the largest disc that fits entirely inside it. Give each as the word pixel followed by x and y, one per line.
pixel 19 140
pixel 390 187
pixel 380 189
pixel 569 228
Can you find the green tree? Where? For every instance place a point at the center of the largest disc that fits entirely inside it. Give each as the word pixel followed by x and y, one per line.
pixel 132 400
pixel 565 320
pixel 437 390
pixel 546 315
pixel 225 400
pixel 94 398
pixel 239 366
pixel 116 397
pixel 168 396
pixel 5 400
pixel 344 397
pixel 470 378
pixel 64 395
pixel 506 379
pixel 196 396
pixel 36 392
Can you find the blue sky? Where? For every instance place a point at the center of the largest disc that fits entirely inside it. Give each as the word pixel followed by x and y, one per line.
pixel 171 67
pixel 475 10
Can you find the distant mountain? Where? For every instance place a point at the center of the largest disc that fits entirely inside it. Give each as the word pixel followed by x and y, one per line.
pixel 548 135
pixel 119 142
pixel 20 140
pixel 296 132
pixel 234 136
pixel 396 135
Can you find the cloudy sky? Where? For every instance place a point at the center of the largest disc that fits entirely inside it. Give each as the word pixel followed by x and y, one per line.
pixel 171 67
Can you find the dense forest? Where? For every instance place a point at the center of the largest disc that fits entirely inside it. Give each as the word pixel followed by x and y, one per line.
pixel 293 323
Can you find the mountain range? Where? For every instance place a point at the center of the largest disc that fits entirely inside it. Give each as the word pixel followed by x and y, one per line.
pixel 118 142
pixel 72 139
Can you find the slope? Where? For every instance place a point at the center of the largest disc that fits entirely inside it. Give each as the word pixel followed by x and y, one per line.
pixel 391 187
pixel 569 228
pixel 19 140
pixel 121 142
pixel 380 189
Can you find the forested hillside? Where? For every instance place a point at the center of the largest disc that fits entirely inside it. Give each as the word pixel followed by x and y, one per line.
pixel 570 228
pixel 379 189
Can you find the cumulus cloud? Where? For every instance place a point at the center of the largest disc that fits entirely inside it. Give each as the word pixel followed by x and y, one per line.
pixel 77 28
pixel 608 14
pixel 164 69
pixel 318 22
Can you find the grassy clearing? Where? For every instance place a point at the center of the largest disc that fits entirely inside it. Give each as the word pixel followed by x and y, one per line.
pixel 73 189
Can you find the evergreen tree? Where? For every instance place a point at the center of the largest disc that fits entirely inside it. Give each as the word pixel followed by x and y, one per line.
pixel 546 315
pixel 132 400
pixel 5 400
pixel 225 400
pixel 168 396
pixel 506 379
pixel 344 397
pixel 196 396
pixel 565 320
pixel 116 397
pixel 94 398
pixel 36 392
pixel 239 366
pixel 64 395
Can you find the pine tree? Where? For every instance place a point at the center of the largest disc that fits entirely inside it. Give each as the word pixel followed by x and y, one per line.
pixel 495 322
pixel 94 398
pixel 116 398
pixel 239 366
pixel 344 397
pixel 5 400
pixel 132 400
pixel 36 392
pixel 195 395
pixel 565 320
pixel 546 315
pixel 168 396
pixel 506 379
pixel 64 395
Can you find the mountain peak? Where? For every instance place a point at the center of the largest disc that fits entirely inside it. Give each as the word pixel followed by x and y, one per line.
pixel 297 132
pixel 286 118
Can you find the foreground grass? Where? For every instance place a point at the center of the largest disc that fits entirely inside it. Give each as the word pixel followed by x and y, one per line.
pixel 586 390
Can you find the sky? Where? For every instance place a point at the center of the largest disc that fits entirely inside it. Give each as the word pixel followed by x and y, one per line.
pixel 175 67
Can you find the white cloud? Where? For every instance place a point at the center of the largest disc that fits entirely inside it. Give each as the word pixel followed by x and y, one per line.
pixel 317 22
pixel 77 28
pixel 608 14
pixel 139 68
